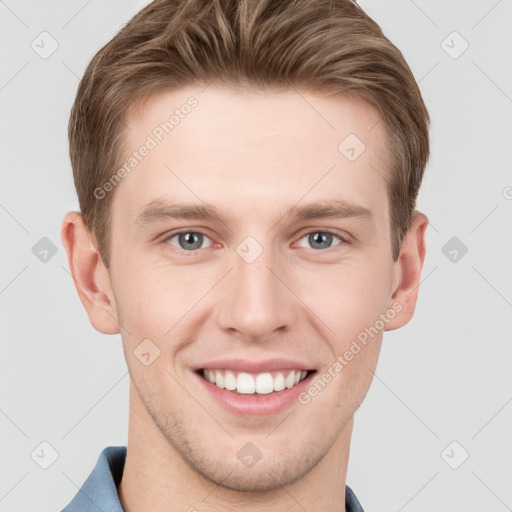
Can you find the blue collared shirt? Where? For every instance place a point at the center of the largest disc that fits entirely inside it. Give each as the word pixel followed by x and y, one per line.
pixel 99 492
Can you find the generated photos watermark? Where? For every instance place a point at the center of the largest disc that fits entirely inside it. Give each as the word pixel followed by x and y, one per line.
pixel 152 140
pixel 368 334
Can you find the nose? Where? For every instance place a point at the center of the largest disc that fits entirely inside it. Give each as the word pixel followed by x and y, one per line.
pixel 255 300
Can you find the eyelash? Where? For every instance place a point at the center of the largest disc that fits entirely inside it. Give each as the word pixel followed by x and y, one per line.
pixel 344 240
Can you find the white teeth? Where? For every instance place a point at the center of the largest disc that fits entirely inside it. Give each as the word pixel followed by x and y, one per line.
pixel 219 379
pixel 245 383
pixel 262 383
pixel 279 382
pixel 229 381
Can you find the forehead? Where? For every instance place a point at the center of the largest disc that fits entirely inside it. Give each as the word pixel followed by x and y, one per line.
pixel 253 150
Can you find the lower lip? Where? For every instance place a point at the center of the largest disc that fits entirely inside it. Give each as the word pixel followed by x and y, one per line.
pixel 254 405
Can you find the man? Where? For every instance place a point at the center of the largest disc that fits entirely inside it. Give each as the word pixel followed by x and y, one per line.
pixel 247 173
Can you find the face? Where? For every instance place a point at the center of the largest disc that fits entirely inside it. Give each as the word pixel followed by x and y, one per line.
pixel 269 282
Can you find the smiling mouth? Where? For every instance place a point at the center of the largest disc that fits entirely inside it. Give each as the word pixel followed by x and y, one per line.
pixel 254 383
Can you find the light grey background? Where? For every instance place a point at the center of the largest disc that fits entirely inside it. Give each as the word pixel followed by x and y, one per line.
pixel 444 377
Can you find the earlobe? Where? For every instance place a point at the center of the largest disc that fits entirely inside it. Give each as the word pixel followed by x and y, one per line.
pixel 89 274
pixel 408 269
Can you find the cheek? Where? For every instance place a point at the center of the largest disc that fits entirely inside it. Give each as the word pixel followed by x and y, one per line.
pixel 348 298
pixel 155 299
pixel 152 303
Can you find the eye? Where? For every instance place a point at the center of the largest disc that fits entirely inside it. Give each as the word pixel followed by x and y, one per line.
pixel 320 239
pixel 187 240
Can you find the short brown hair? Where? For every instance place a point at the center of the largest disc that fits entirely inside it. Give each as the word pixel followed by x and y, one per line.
pixel 329 46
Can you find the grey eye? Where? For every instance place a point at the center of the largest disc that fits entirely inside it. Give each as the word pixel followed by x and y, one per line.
pixel 320 239
pixel 188 240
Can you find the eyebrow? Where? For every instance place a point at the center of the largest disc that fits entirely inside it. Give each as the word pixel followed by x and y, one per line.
pixel 159 209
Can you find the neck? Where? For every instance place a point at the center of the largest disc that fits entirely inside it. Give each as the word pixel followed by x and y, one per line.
pixel 156 478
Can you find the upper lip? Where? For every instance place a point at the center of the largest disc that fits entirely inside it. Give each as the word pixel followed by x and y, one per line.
pixel 245 365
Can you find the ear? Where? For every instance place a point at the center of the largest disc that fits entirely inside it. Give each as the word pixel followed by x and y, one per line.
pixel 407 272
pixel 89 274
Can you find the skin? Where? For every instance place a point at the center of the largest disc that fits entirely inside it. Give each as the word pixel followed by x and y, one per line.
pixel 252 154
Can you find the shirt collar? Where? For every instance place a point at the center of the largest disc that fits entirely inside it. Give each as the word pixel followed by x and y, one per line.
pixel 99 492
